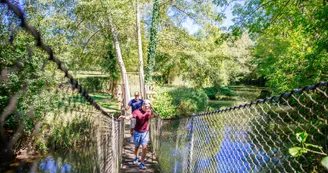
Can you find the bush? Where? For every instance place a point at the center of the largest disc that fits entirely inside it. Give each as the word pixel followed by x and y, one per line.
pixel 210 92
pixel 226 90
pixel 163 104
pixel 179 101
pixel 217 92
pixel 186 107
pixel 95 83
pixel 66 134
pixel 196 97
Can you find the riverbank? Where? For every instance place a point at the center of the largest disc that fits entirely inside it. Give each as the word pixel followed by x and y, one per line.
pixel 243 94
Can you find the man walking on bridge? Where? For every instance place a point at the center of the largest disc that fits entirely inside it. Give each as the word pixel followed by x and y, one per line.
pixel 135 104
pixel 141 130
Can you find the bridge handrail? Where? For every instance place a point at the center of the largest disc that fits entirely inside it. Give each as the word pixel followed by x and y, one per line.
pixel 269 135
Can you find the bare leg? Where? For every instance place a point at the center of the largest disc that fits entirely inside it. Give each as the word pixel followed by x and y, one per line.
pixel 136 151
pixel 143 156
pixel 131 131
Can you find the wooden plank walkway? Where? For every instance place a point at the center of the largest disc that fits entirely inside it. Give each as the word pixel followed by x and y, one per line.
pixel 128 156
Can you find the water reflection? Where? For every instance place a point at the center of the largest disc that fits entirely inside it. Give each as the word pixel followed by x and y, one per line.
pixel 51 166
pixel 217 146
pixel 58 162
pixel 235 152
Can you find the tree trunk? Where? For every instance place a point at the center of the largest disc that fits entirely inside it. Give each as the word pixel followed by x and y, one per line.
pixel 141 70
pixel 120 61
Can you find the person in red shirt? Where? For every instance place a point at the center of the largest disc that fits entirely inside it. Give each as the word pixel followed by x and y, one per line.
pixel 134 104
pixel 141 130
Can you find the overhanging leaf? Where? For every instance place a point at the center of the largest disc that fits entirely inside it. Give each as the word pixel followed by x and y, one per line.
pixel 324 162
pixel 297 151
pixel 301 137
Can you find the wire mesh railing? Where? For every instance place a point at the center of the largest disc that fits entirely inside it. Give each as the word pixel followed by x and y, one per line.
pixel 110 143
pixel 286 133
pixel 49 123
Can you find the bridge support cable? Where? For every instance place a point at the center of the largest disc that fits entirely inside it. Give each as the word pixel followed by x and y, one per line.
pixel 283 133
pixel 56 110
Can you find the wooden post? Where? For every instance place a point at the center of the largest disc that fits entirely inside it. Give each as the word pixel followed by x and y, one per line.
pixel 113 147
pixel 119 146
pixel 159 139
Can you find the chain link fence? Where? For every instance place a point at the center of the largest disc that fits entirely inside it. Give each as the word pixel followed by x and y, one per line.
pixel 110 143
pixel 49 123
pixel 286 133
pixel 76 135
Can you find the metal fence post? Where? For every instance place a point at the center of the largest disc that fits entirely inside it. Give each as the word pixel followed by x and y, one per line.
pixel 191 144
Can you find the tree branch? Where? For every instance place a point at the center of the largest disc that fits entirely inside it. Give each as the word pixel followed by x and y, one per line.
pixel 191 17
pixel 86 44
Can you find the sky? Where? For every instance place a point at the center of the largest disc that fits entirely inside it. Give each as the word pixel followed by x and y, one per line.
pixel 192 28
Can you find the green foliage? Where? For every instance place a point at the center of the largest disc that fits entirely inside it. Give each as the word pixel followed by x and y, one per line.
pixel 300 130
pixel 163 104
pixel 226 91
pixel 78 43
pixel 109 64
pixel 299 151
pixel 291 45
pixel 179 101
pixel 200 60
pixel 94 83
pixel 190 100
pixel 23 63
pixel 301 137
pixel 66 134
pixel 210 92
pixel 186 107
pixel 41 145
pixel 105 100
pixel 216 91
pixel 324 162
pixel 153 42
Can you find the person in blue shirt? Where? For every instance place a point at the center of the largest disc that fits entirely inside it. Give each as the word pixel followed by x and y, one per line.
pixel 135 104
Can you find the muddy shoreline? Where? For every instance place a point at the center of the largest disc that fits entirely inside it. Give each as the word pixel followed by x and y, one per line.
pixel 23 160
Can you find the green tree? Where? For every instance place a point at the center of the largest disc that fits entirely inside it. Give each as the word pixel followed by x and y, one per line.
pixel 291 46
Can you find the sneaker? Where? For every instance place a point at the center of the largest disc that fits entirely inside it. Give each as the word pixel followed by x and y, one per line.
pixel 142 166
pixel 131 139
pixel 135 161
